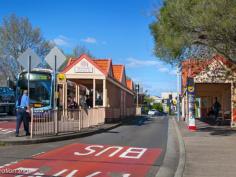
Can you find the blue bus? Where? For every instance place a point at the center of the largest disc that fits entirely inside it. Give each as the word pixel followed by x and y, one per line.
pixel 41 88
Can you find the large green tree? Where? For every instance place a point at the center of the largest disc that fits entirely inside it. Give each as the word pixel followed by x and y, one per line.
pixel 195 28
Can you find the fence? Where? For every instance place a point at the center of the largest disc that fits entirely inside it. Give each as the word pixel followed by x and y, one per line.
pixel 64 121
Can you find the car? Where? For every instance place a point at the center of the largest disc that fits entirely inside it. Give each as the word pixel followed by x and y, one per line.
pixel 153 112
pixel 7 100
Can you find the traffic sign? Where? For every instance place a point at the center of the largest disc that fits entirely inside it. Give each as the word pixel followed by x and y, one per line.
pixel 55 58
pixel 24 59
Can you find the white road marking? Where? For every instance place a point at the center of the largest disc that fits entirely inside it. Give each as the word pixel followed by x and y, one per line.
pixel 6 131
pixel 94 174
pixel 60 172
pixel 72 173
pixel 38 154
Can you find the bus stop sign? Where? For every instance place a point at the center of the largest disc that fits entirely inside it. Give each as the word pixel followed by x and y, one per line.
pixel 55 58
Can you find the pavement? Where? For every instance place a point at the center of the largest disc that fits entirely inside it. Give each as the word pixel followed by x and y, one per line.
pixel 209 151
pixel 7 134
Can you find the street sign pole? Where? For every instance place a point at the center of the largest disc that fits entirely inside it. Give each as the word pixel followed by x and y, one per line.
pixel 137 89
pixel 178 93
pixel 28 60
pixel 29 69
pixel 55 59
pixel 55 89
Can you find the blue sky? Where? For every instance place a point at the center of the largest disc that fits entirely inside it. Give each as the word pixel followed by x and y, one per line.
pixel 117 29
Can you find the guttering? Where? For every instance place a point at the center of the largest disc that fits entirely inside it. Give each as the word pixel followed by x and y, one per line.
pixel 119 85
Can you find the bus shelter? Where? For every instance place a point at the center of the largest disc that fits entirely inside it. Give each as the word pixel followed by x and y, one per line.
pixel 212 78
pixel 99 85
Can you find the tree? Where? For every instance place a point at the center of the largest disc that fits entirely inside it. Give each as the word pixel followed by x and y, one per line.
pixel 16 35
pixel 79 50
pixel 157 106
pixel 195 28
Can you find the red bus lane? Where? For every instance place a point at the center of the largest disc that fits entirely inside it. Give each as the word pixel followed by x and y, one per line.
pixel 7 127
pixel 88 160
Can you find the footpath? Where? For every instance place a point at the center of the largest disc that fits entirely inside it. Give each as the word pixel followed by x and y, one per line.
pixel 210 151
pixel 7 133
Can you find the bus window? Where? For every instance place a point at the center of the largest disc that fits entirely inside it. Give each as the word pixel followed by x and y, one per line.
pixel 40 89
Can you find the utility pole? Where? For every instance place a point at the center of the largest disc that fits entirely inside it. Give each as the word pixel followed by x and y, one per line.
pixel 137 92
pixel 178 92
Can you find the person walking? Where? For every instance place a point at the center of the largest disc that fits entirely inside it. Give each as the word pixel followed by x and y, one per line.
pixel 216 108
pixel 22 111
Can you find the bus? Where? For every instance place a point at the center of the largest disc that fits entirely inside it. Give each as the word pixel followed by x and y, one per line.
pixel 41 88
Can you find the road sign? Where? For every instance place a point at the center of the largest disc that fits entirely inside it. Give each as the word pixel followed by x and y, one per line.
pixel 88 160
pixel 55 58
pixel 24 59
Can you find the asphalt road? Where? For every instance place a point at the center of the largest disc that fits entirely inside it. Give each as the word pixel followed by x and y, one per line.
pixel 141 141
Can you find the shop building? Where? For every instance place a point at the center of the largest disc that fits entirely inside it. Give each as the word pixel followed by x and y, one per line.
pixel 211 79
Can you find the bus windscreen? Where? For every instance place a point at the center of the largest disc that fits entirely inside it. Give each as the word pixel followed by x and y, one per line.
pixel 40 88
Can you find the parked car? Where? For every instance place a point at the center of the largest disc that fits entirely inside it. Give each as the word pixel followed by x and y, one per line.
pixel 7 100
pixel 152 112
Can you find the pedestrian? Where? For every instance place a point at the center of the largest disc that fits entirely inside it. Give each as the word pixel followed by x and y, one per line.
pixel 22 111
pixel 216 108
pixel 72 103
pixel 89 101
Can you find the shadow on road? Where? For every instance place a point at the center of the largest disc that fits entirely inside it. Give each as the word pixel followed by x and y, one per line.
pixel 137 121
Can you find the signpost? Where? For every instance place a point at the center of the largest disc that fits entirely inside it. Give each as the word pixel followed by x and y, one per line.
pixel 55 59
pixel 137 91
pixel 33 61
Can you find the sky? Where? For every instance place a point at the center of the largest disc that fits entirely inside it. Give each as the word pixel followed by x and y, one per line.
pixel 116 29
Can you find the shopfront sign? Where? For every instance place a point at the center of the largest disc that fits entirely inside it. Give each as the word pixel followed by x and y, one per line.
pixel 190 86
pixel 83 67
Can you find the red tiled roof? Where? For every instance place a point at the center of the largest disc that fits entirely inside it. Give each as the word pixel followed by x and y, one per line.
pixel 192 67
pixel 71 60
pixel 77 60
pixel 118 72
pixel 104 64
pixel 129 84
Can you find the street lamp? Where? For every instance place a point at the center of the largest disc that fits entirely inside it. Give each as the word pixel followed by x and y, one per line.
pixel 178 92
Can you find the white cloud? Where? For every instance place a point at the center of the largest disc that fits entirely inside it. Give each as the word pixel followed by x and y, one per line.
pixel 163 69
pixel 90 40
pixel 135 63
pixel 155 87
pixel 61 40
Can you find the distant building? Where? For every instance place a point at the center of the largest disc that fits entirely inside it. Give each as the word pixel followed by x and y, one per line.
pixel 169 101
pixel 156 99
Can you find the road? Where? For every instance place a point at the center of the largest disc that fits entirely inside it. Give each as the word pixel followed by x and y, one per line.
pixel 135 149
pixel 7 124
